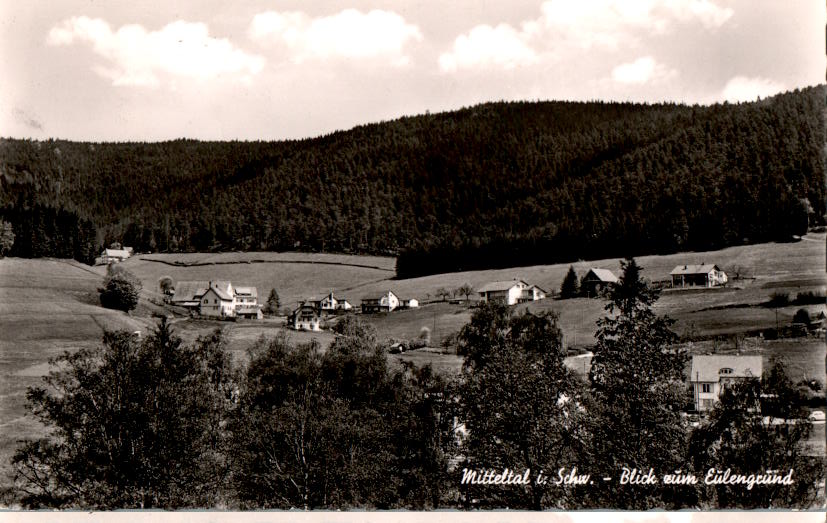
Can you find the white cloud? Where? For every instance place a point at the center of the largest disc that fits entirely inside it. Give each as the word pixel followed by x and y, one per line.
pixel 137 57
pixel 642 71
pixel 613 23
pixel 348 34
pixel 566 28
pixel 745 89
pixel 501 46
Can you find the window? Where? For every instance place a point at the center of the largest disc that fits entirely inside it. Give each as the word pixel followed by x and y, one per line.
pixel 726 370
pixel 706 387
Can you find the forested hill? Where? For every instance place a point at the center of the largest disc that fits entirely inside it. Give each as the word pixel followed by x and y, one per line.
pixel 497 184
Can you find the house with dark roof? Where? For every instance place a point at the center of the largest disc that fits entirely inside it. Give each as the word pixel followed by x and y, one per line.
pixel 305 317
pixel 330 304
pixel 702 275
pixel 710 374
pixel 217 298
pixel 594 281
pixel 384 303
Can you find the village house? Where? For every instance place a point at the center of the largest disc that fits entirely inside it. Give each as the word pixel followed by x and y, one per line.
pixel 217 299
pixel 330 304
pixel 385 303
pixel 510 292
pixel 246 303
pixel 305 317
pixel 114 255
pixel 702 275
pixel 410 303
pixel 533 293
pixel 596 280
pixel 506 291
pixel 710 374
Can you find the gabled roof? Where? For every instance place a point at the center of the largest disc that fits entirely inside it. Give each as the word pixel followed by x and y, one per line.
pixel 250 292
pixel 703 268
pixel 708 368
pixel 604 275
pixel 502 285
pixel 382 296
pixel 193 290
pixel 189 290
pixel 116 253
pixel 221 288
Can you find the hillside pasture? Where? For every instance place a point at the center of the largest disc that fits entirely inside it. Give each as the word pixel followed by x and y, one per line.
pixel 296 276
pixel 46 309
pixel 50 306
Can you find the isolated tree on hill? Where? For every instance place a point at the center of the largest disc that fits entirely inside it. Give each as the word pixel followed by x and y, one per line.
pixel 444 293
pixel 569 287
pixel 758 425
pixel 121 289
pixel 133 425
pixel 6 237
pixel 273 303
pixel 464 290
pixel 637 379
pixel 523 408
pixel 802 316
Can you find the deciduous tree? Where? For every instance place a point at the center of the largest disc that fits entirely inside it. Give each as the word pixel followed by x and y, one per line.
pixel 637 378
pixel 756 427
pixel 121 289
pixel 132 425
pixel 524 410
pixel 337 429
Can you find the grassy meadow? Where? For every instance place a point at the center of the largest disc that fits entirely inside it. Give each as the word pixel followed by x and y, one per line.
pixel 50 306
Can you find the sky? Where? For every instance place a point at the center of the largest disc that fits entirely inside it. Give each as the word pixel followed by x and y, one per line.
pixel 155 70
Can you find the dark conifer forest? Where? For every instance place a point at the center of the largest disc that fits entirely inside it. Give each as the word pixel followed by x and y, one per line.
pixel 495 185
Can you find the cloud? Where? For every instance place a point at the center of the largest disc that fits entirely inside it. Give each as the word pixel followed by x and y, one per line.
pixel 138 57
pixel 566 28
pixel 612 23
pixel 349 34
pixel 642 71
pixel 746 89
pixel 501 46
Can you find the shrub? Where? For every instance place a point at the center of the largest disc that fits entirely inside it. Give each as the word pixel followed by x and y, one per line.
pixel 121 290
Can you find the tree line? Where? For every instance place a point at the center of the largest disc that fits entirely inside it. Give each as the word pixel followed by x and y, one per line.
pixel 494 185
pixel 157 423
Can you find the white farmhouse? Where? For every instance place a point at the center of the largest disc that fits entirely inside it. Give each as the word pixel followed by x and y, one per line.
pixel 711 373
pixel 702 275
pixel 217 299
pixel 508 292
pixel 385 303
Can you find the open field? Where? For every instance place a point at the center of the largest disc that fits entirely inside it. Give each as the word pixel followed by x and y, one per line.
pixel 45 309
pixel 295 276
pixel 50 306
